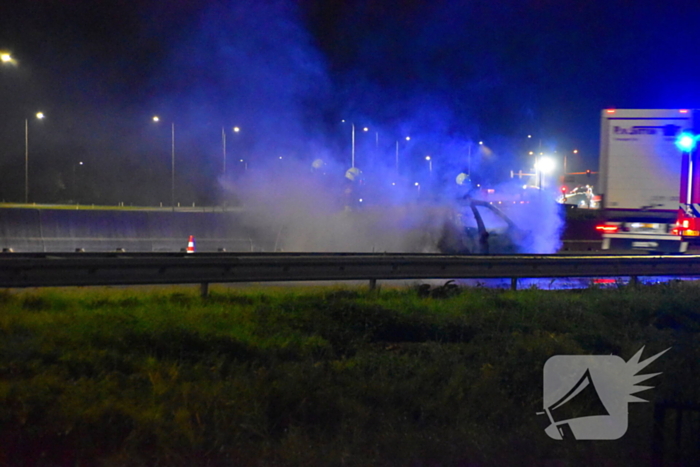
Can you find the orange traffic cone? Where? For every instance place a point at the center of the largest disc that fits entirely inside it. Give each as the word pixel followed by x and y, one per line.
pixel 190 244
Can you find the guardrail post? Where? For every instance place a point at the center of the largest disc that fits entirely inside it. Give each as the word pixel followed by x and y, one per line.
pixel 372 284
pixel 204 289
pixel 513 283
pixel 634 281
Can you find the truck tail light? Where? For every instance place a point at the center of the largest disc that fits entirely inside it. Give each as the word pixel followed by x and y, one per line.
pixel 688 227
pixel 604 228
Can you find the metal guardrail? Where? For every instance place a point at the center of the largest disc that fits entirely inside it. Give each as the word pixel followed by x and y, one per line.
pixel 85 269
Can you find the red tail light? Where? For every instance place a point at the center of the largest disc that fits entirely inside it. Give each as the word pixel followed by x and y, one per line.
pixel 607 228
pixel 604 281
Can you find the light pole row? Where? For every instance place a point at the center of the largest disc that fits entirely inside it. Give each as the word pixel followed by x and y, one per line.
pixel 7 59
pixel 156 119
pixel 408 138
pixel 376 140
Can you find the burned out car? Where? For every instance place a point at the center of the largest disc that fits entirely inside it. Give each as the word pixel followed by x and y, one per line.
pixel 481 228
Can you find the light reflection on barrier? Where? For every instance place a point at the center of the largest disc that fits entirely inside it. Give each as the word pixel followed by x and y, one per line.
pixel 570 283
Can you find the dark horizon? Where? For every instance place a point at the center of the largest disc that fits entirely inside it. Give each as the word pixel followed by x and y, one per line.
pixel 449 74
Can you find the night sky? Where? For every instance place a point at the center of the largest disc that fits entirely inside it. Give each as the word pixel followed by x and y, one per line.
pixel 447 73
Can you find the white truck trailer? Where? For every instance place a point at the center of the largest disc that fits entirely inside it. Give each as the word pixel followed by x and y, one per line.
pixel 642 172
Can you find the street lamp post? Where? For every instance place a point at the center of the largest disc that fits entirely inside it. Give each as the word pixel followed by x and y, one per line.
pixel 469 159
pixel 40 116
pixel 408 138
pixel 365 129
pixel 172 162
pixel 397 155
pixel 430 164
pixel 75 183
pixel 352 151
pixel 353 145
pixel 543 166
pixel 26 161
pixel 223 143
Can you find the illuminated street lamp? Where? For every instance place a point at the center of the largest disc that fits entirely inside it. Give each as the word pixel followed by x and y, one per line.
pixel 544 165
pixel 430 164
pixel 39 116
pixel 6 58
pixel 223 142
pixel 408 138
pixel 469 157
pixel 376 144
pixel 75 184
pixel 352 125
pixel 575 151
pixel 365 129
pixel 172 162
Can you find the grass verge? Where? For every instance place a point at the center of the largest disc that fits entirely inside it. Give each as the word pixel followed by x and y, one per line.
pixel 324 376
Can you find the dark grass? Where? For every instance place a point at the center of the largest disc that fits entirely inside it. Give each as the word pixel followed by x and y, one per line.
pixel 324 376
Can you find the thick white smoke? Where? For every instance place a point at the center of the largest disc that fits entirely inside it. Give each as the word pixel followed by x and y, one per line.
pixel 310 210
pixel 300 209
pixel 281 92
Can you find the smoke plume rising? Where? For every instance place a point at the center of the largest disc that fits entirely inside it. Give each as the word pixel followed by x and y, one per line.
pixel 303 128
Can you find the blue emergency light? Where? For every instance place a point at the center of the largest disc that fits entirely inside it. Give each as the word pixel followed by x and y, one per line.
pixel 686 141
